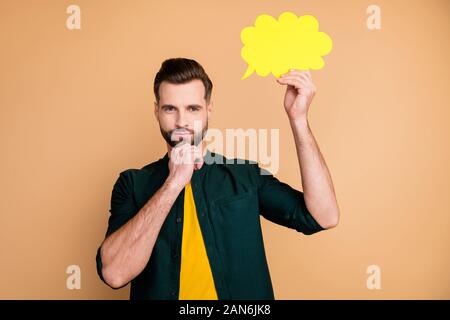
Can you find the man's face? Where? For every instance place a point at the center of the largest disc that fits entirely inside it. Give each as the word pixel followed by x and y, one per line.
pixel 180 105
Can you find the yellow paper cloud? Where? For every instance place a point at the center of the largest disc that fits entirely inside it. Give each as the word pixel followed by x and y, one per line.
pixel 277 46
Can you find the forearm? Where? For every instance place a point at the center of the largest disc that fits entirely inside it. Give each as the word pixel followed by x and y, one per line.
pixel 318 190
pixel 126 252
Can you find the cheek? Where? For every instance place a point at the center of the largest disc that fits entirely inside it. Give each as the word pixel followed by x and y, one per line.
pixel 202 117
pixel 166 121
pixel 197 117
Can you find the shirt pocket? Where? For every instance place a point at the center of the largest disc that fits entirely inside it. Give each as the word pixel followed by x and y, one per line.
pixel 237 229
pixel 237 215
pixel 224 201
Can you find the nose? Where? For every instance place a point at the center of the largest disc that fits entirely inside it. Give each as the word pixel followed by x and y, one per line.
pixel 182 120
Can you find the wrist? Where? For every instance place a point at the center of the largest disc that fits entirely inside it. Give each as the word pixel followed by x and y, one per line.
pixel 299 122
pixel 173 184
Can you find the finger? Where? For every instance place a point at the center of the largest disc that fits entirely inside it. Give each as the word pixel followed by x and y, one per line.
pixel 198 166
pixel 305 77
pixel 308 73
pixel 182 147
pixel 199 150
pixel 303 73
pixel 291 72
pixel 193 155
pixel 175 157
pixel 297 78
pixel 186 158
pixel 174 153
pixel 179 153
pixel 182 142
pixel 294 72
pixel 198 162
pixel 294 81
pixel 198 157
pixel 305 83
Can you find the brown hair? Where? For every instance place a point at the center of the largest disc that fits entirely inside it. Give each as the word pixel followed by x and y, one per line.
pixel 182 70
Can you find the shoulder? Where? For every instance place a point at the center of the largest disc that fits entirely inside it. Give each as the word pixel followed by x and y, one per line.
pixel 137 176
pixel 242 169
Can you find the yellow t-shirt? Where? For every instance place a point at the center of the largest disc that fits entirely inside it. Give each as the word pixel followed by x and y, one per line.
pixel 196 280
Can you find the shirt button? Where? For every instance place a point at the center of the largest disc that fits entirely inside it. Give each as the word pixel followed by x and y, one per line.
pixel 175 255
pixel 172 293
pixel 178 219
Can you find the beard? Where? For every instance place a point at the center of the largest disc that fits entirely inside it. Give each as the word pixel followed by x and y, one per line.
pixel 196 137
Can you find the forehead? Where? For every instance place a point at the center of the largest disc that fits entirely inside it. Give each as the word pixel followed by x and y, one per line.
pixel 192 92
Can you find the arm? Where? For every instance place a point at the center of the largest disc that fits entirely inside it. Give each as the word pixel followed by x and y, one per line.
pixel 126 252
pixel 320 197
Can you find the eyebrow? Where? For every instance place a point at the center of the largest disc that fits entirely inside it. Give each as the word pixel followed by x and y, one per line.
pixel 190 105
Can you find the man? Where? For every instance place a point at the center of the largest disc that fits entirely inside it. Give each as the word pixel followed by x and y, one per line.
pixel 186 228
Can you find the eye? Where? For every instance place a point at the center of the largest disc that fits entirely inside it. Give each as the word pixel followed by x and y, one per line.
pixel 169 109
pixel 194 108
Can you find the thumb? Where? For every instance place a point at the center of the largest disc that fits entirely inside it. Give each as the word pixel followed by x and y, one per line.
pixel 198 163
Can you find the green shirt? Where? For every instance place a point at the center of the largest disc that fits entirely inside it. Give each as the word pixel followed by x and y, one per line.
pixel 230 196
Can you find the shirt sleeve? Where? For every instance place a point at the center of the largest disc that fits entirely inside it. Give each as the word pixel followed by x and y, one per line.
pixel 122 209
pixel 284 205
pixel 123 206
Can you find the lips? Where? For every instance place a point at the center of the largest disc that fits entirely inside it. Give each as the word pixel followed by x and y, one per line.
pixel 182 133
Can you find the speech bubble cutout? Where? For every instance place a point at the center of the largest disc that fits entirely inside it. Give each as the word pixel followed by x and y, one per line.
pixel 276 46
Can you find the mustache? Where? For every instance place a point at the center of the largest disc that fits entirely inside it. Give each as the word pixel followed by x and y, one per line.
pixel 173 133
pixel 195 138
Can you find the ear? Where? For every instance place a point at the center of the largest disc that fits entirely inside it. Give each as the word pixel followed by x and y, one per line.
pixel 209 108
pixel 155 111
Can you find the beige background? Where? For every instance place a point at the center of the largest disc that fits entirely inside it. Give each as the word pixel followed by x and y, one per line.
pixel 76 109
